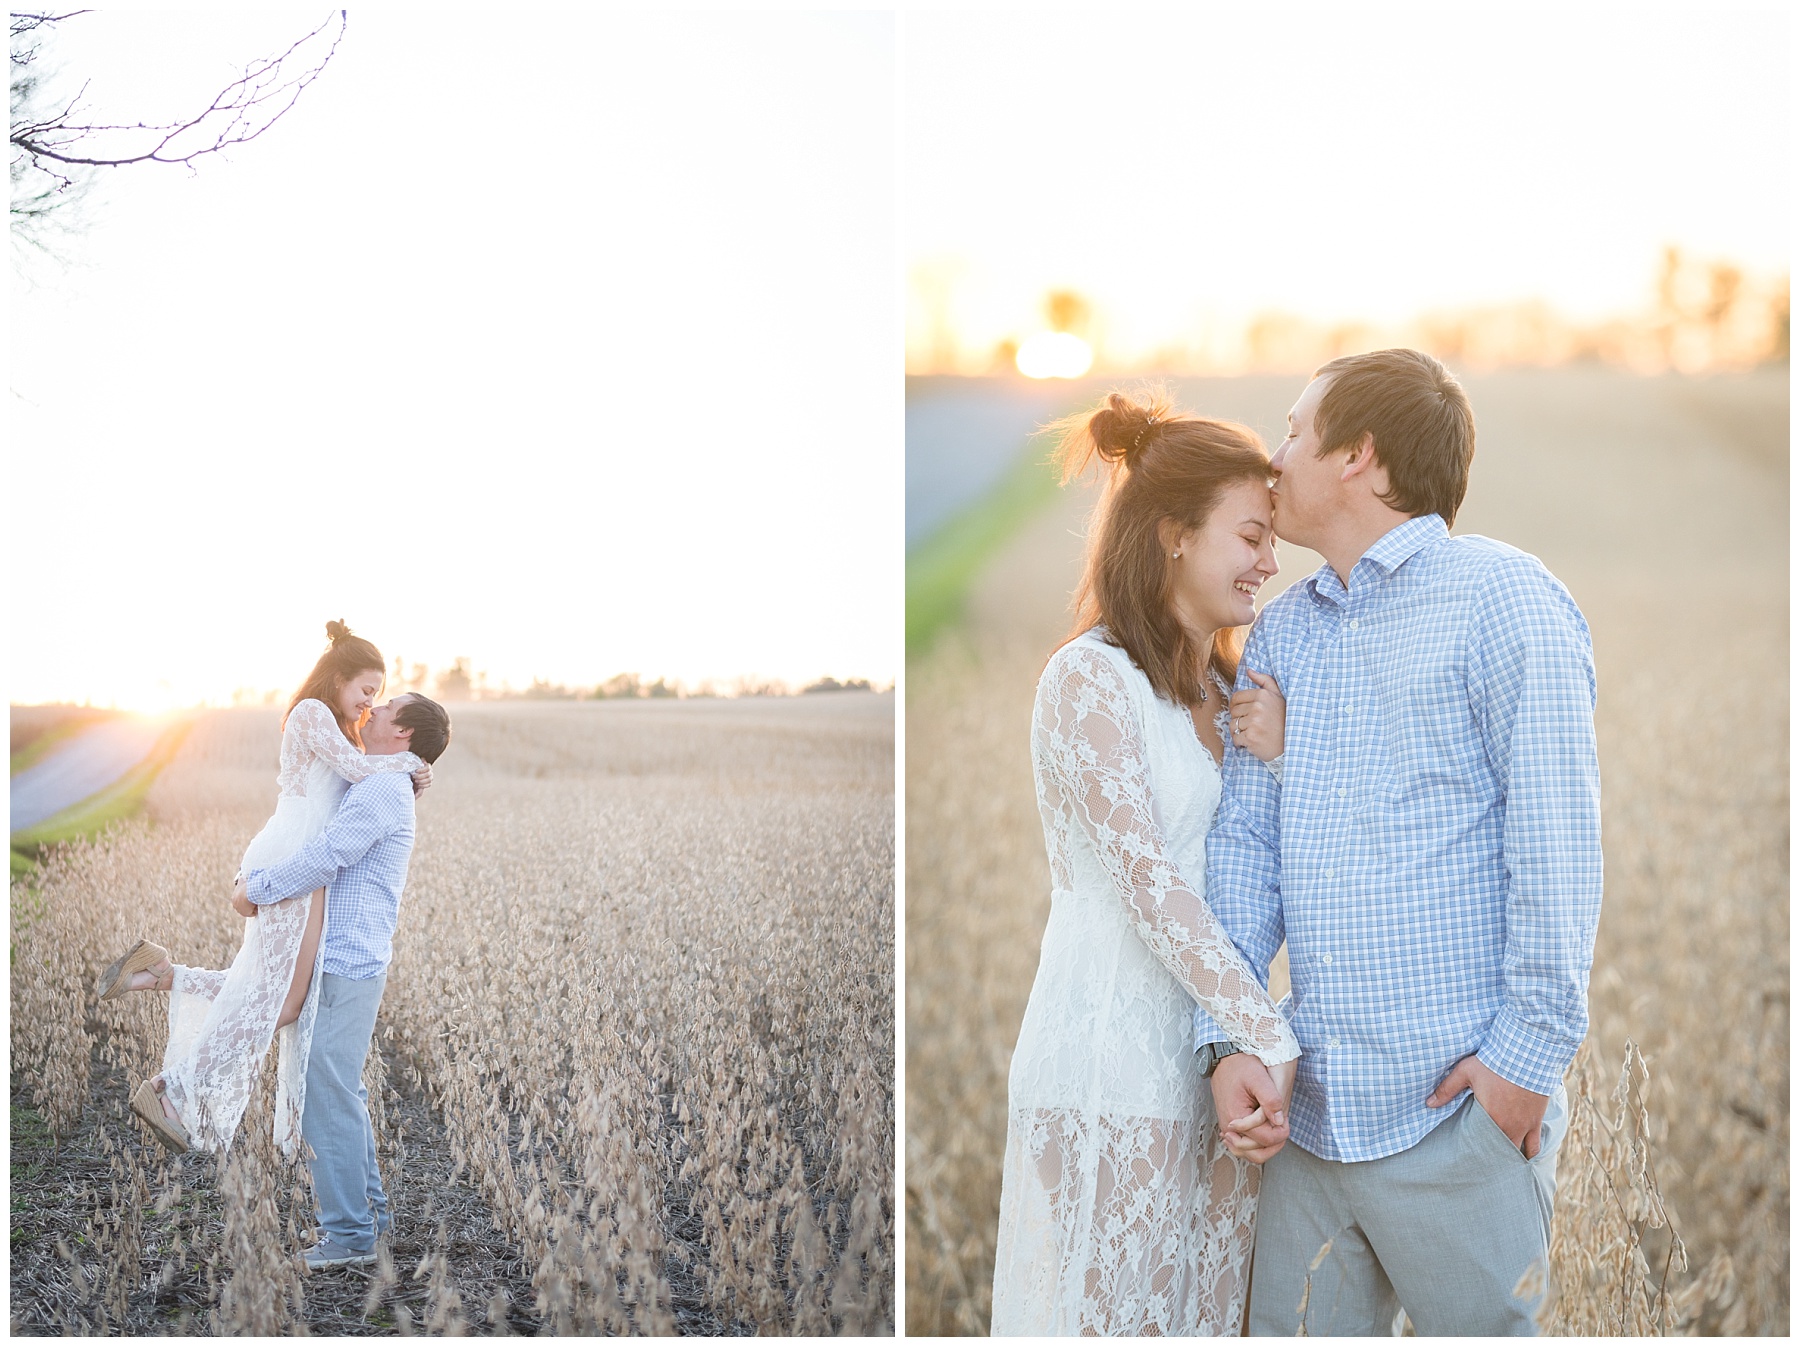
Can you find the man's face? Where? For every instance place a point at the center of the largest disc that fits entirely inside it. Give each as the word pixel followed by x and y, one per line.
pixel 1305 484
pixel 382 730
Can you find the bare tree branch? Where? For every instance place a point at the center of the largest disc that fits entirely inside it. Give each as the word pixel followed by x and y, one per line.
pixel 56 149
pixel 240 112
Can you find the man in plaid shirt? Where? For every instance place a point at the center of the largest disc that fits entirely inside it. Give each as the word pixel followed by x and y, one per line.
pixel 1430 852
pixel 361 857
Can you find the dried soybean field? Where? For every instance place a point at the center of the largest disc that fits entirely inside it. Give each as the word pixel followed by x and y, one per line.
pixel 635 1059
pixel 1662 504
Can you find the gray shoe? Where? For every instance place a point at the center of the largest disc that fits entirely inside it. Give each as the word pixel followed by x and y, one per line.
pixel 329 1253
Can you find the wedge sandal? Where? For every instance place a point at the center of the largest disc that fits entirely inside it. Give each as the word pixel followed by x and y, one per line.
pixel 147 1104
pixel 140 958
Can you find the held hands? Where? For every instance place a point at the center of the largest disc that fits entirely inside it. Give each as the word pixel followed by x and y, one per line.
pixel 1518 1111
pixel 1259 717
pixel 421 779
pixel 1251 1102
pixel 240 899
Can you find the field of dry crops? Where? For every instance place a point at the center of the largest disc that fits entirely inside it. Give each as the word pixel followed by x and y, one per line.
pixel 636 1053
pixel 1662 504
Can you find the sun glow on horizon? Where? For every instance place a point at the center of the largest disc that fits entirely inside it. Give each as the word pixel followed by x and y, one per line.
pixel 1054 355
pixel 1556 192
pixel 570 450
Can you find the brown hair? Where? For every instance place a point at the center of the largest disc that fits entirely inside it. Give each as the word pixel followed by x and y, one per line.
pixel 1420 417
pixel 429 723
pixel 348 656
pixel 1159 466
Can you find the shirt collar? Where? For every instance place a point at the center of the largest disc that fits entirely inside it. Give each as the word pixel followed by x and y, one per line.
pixel 1401 543
pixel 1387 554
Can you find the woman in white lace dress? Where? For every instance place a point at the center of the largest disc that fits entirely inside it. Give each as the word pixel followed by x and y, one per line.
pixel 1124 1209
pixel 221 1021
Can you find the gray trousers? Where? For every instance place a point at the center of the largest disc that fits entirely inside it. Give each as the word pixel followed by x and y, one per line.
pixel 1448 1229
pixel 353 1206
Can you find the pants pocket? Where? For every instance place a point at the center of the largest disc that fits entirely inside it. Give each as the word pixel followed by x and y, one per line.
pixel 1488 1131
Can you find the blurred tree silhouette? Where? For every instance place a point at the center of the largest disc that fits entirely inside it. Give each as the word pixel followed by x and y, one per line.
pixel 1067 311
pixel 401 681
pixel 456 684
pixel 621 685
pixel 1707 315
pixel 1778 339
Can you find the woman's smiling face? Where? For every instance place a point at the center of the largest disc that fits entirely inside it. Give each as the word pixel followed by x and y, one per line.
pixel 358 694
pixel 1226 560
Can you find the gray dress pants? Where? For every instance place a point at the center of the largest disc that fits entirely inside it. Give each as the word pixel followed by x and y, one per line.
pixel 346 1179
pixel 1448 1230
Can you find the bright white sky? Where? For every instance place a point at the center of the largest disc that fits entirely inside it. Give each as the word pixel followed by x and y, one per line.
pixel 1187 169
pixel 567 342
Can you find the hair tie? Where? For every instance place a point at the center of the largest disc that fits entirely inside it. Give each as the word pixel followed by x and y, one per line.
pixel 1143 430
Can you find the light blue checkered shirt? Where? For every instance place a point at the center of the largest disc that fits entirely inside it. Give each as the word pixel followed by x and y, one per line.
pixel 361 859
pixel 1432 851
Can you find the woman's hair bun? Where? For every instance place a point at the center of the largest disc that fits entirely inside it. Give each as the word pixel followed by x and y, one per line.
pixel 1121 428
pixel 337 630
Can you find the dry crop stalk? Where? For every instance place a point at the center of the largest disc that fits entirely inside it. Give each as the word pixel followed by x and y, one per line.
pixel 644 974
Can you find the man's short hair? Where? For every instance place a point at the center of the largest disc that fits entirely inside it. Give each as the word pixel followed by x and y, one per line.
pixel 1420 417
pixel 429 723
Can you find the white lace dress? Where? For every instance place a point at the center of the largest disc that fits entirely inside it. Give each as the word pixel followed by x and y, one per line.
pixel 221 1022
pixel 1121 1212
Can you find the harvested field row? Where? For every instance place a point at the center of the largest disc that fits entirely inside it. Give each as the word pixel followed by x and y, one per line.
pixel 637 1045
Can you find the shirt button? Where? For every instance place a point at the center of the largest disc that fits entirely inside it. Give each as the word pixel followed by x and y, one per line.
pixel 1343 794
pixel 1346 708
pixel 1332 1043
pixel 1355 622
pixel 1325 958
pixel 1330 873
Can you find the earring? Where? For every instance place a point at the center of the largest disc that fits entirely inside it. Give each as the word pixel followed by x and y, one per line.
pixel 1175 556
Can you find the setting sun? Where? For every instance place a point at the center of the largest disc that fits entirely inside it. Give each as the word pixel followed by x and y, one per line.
pixel 1055 355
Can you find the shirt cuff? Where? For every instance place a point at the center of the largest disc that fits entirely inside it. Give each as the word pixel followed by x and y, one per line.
pixel 1206 1033
pixel 256 888
pixel 1524 1055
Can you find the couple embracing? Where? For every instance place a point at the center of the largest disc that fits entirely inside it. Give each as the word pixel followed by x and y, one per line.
pixel 320 887
pixel 1395 774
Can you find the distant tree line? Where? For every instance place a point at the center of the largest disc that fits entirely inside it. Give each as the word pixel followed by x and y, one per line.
pixel 1701 315
pixel 461 682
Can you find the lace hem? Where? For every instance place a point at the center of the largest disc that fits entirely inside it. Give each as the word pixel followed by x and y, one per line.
pixel 1121 1226
pixel 221 1023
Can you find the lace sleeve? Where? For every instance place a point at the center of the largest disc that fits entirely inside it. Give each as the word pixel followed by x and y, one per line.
pixel 1090 742
pixel 317 735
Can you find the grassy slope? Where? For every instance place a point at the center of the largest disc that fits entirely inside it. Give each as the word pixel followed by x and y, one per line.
pixel 939 570
pixel 99 811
